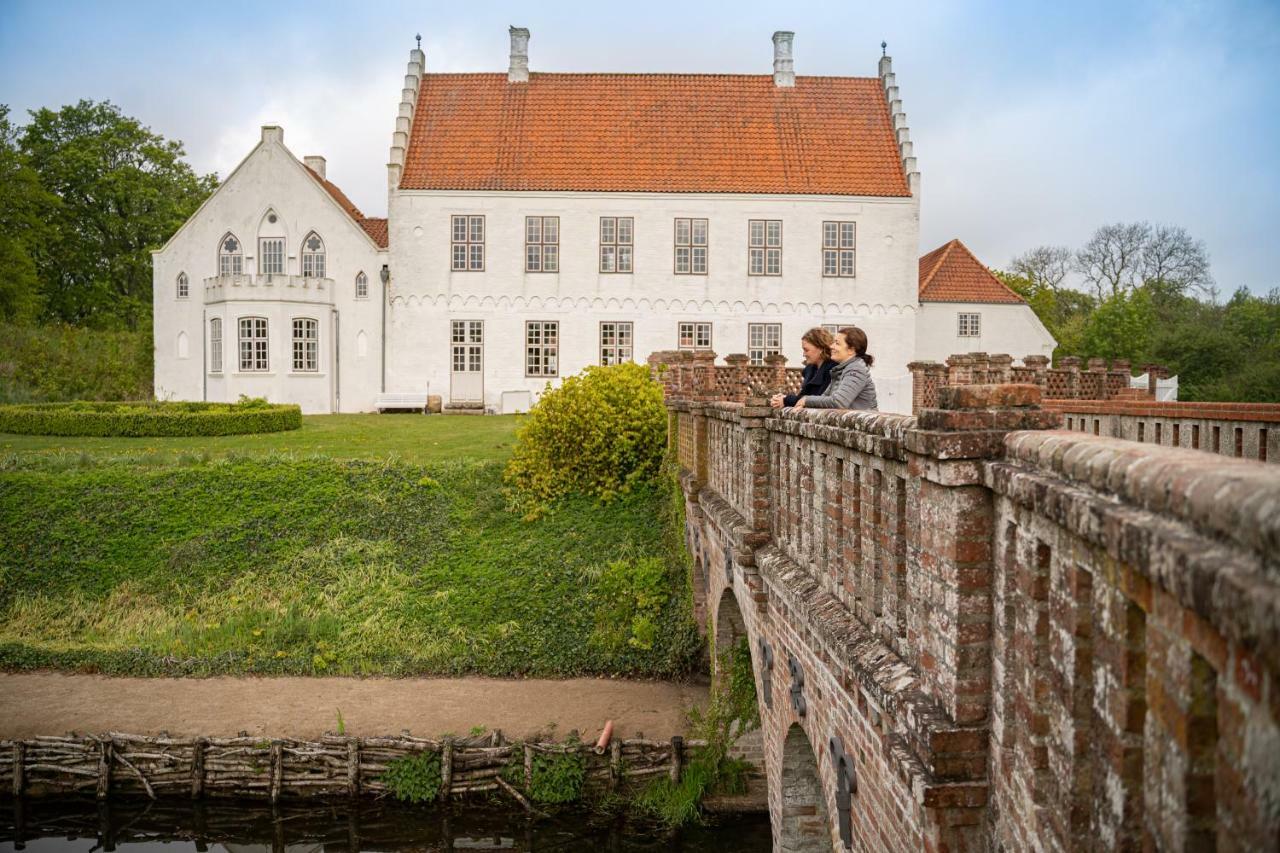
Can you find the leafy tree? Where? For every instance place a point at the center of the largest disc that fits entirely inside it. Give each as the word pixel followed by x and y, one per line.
pixel 25 208
pixel 123 191
pixel 1120 327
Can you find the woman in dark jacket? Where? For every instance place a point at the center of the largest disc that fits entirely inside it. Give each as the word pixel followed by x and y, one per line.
pixel 851 385
pixel 816 345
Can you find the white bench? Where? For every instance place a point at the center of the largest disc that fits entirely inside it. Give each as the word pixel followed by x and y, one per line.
pixel 401 401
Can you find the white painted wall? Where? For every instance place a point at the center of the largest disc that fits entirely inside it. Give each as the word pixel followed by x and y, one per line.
pixel 269 178
pixel 426 294
pixel 1006 328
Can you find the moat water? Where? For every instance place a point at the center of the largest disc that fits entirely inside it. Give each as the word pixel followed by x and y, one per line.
pixel 48 825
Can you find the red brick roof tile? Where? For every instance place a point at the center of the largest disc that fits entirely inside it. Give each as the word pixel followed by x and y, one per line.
pixel 950 273
pixel 654 133
pixel 376 228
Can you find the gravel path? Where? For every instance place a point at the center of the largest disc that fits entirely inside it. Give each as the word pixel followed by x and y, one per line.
pixel 46 703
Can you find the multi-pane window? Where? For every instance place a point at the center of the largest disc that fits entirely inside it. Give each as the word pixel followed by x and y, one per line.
pixel 362 286
pixel 616 243
pixel 691 247
pixel 541 348
pixel 837 249
pixel 763 339
pixel 306 344
pixel 694 335
pixel 764 246
pixel 271 256
pixel 215 345
pixel 468 243
pixel 253 344
pixel 230 256
pixel 542 244
pixel 313 256
pixel 970 325
pixel 615 343
pixel 467 339
pixel 184 286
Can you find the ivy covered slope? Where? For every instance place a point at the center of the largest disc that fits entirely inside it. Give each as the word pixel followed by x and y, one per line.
pixel 230 555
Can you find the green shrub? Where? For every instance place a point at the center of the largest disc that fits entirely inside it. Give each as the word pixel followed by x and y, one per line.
pixel 250 415
pixel 557 776
pixel 414 778
pixel 600 433
pixel 56 363
pixel 630 596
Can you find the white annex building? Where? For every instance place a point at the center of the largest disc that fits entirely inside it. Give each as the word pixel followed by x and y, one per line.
pixel 538 223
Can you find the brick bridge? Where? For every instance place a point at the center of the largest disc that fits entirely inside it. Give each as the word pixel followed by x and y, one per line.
pixel 972 631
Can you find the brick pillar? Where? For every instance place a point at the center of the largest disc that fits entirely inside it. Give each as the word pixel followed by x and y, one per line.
pixel 1001 367
pixel 704 375
pixel 926 378
pixel 954 537
pixel 1117 377
pixel 737 367
pixel 960 370
pixel 1039 365
pixel 1093 384
pixel 778 362
pixel 1071 364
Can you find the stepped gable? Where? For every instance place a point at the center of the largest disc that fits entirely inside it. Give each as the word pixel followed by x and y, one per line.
pixel 951 273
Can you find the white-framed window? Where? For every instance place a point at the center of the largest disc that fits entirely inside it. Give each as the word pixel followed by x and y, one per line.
pixel 183 286
pixel 763 339
pixel 764 246
pixel 617 238
pixel 253 345
pixel 542 244
pixel 215 345
pixel 306 345
pixel 468 243
pixel 313 256
pixel 838 246
pixel 694 335
pixel 691 246
pixel 467 342
pixel 542 348
pixel 833 327
pixel 230 255
pixel 271 256
pixel 970 324
pixel 615 342
pixel 362 285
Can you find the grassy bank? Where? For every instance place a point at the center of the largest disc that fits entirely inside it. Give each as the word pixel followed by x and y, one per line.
pixel 40 364
pixel 359 544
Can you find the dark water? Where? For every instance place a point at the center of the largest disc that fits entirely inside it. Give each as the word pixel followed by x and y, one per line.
pixel 45 826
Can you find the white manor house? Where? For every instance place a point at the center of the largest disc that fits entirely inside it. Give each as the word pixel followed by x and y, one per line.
pixel 538 223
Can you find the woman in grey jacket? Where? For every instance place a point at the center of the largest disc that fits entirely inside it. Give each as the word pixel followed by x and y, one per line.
pixel 851 385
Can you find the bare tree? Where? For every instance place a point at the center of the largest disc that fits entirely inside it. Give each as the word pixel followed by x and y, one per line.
pixel 1044 266
pixel 1112 259
pixel 1175 260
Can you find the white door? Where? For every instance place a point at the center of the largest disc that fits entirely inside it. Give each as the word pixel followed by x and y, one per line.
pixel 466 357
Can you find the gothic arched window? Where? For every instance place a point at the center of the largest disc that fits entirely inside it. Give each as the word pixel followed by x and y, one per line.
pixel 230 255
pixel 184 286
pixel 362 286
pixel 313 256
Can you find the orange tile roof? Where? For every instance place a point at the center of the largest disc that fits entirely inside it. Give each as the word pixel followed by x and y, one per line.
pixel 654 133
pixel 376 228
pixel 950 273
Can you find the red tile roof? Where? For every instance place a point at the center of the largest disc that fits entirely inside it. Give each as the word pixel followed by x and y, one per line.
pixel 654 133
pixel 376 228
pixel 950 273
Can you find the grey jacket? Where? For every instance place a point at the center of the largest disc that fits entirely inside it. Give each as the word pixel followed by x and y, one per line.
pixel 851 388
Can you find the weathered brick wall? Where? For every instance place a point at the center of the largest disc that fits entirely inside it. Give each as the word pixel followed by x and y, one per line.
pixel 1015 639
pixel 1237 430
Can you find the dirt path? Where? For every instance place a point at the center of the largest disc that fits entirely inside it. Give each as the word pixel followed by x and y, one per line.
pixel 52 704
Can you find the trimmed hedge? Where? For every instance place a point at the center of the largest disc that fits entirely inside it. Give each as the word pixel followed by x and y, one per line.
pixel 149 418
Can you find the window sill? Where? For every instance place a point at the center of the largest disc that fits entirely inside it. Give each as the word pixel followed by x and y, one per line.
pixel 313 374
pixel 252 373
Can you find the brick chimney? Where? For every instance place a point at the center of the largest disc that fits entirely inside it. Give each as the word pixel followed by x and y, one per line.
pixel 783 67
pixel 518 71
pixel 315 163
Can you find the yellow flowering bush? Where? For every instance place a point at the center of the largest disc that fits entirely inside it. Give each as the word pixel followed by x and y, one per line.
pixel 600 433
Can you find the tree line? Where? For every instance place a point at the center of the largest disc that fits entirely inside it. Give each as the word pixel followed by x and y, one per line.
pixel 1148 295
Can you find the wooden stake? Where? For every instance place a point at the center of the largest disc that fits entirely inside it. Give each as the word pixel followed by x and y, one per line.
pixel 528 767
pixel 446 767
pixel 197 768
pixel 677 758
pixel 277 768
pixel 104 768
pixel 615 763
pixel 353 767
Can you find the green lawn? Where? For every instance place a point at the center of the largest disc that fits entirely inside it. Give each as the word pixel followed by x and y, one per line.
pixel 358 544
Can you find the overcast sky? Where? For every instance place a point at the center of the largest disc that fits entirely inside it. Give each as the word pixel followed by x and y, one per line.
pixel 1032 124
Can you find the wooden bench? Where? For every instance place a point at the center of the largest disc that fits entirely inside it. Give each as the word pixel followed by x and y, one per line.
pixel 414 400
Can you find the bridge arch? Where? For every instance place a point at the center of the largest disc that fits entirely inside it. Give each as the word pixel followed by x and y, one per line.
pixel 804 827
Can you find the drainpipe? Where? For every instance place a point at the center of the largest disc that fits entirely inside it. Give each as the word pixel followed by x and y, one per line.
pixel 385 276
pixel 337 366
pixel 204 356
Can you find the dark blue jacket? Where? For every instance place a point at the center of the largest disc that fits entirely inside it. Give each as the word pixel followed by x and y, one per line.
pixel 815 382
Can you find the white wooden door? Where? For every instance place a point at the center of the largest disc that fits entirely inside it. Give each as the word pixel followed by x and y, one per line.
pixel 466 357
